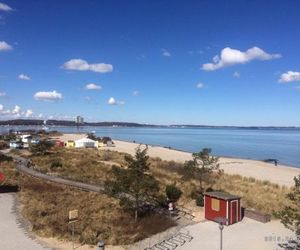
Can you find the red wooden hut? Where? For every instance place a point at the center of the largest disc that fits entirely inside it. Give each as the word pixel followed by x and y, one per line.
pixel 59 143
pixel 220 204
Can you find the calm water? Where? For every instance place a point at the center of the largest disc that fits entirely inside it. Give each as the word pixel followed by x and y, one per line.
pixel 281 144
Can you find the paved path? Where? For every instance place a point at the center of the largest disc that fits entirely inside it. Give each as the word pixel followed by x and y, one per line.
pixel 12 233
pixel 247 235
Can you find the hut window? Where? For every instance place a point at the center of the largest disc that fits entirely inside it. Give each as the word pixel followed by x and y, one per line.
pixel 215 204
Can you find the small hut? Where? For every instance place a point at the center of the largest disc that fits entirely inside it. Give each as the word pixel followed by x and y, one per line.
pixel 69 144
pixel 224 205
pixel 85 143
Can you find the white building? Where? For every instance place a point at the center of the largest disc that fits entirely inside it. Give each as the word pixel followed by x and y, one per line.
pixel 85 143
pixel 26 138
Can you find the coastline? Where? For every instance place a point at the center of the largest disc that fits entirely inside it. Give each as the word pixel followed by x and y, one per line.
pixel 281 174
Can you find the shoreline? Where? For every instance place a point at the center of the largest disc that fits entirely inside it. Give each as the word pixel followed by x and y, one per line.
pixel 281 174
pixel 260 170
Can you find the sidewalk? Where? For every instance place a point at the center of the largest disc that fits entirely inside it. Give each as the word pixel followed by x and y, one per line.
pixel 12 234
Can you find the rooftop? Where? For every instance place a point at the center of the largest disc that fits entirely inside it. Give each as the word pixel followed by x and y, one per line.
pixel 222 195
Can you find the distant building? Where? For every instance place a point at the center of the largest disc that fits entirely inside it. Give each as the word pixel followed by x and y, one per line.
pixel 85 143
pixel 79 119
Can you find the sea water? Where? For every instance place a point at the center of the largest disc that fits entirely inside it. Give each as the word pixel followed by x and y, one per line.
pixel 260 144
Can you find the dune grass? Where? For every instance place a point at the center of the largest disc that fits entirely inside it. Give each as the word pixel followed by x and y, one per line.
pixel 92 166
pixel 46 206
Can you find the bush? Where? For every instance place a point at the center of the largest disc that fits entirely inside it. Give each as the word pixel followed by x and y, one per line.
pixel 209 189
pixel 41 148
pixel 3 145
pixel 161 200
pixel 200 200
pixel 5 158
pixel 56 164
pixel 173 193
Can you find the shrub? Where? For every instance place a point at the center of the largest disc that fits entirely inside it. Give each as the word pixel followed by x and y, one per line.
pixel 41 148
pixel 173 193
pixel 161 200
pixel 200 200
pixel 209 189
pixel 3 145
pixel 56 164
pixel 5 158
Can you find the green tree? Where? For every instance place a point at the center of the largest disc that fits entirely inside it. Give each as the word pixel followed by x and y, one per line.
pixel 41 148
pixel 290 215
pixel 133 182
pixel 173 193
pixel 201 167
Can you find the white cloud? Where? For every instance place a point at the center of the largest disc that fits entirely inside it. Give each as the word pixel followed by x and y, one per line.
pixel 82 65
pixel 48 96
pixel 93 86
pixel 290 76
pixel 165 53
pixel 5 7
pixel 200 85
pixel 28 113
pixel 16 110
pixel 136 93
pixel 24 77
pixel 231 57
pixel 1 108
pixel 2 94
pixel 113 101
pixel 4 46
pixel 236 74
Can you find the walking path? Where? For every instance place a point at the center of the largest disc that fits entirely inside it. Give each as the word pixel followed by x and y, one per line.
pixel 12 233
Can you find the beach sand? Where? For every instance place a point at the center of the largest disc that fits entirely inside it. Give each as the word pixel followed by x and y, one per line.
pixel 280 174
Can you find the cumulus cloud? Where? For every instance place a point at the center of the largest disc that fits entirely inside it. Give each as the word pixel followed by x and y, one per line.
pixel 200 85
pixel 28 113
pixel 165 53
pixel 113 101
pixel 82 65
pixel 16 110
pixel 93 86
pixel 1 108
pixel 5 7
pixel 4 46
pixel 229 57
pixel 136 93
pixel 290 76
pixel 48 96
pixel 24 77
pixel 2 94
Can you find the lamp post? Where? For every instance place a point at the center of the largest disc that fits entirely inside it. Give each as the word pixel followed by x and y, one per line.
pixel 221 221
pixel 221 227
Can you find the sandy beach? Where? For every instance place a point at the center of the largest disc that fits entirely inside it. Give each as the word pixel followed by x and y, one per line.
pixel 280 174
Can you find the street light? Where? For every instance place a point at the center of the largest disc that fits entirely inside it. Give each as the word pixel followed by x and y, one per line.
pixel 221 221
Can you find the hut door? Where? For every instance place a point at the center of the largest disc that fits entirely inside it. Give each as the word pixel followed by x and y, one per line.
pixel 234 214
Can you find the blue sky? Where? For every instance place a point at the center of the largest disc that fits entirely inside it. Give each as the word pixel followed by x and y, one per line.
pixel 159 62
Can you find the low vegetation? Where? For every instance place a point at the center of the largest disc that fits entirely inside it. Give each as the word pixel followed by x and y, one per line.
pixel 290 215
pixel 46 206
pixel 103 217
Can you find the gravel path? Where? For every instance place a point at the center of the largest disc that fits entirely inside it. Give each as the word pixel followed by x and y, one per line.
pixel 13 236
